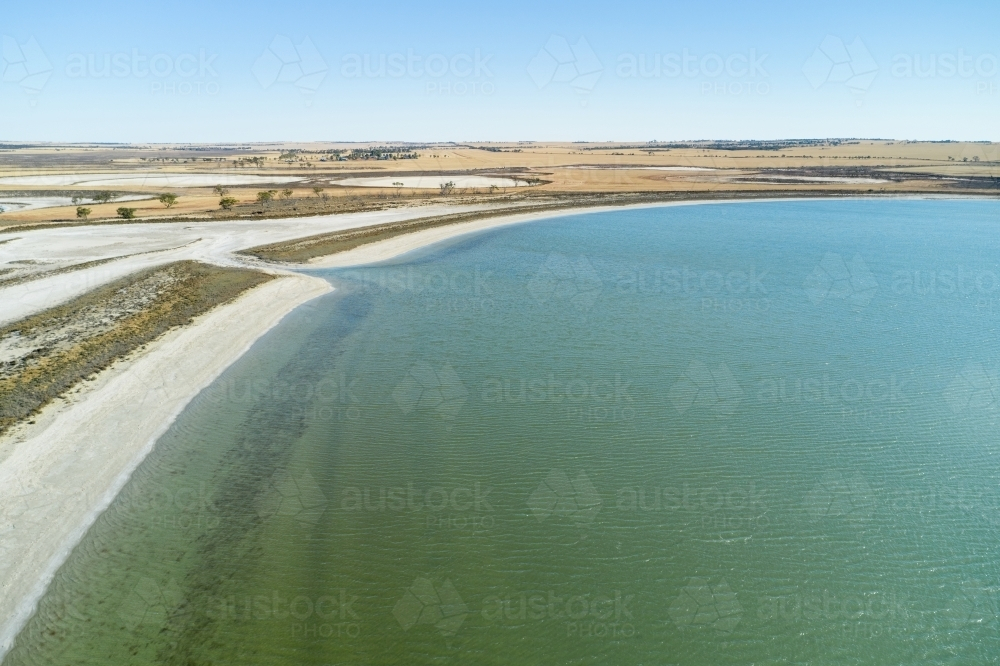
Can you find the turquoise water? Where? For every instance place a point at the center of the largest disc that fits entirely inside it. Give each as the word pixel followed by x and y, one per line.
pixel 717 434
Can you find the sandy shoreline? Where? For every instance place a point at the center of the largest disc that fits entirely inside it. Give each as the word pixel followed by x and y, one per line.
pixel 400 245
pixel 57 476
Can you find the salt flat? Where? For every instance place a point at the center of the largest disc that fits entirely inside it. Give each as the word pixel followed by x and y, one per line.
pixel 134 247
pixel 640 168
pixel 427 182
pixel 140 179
pixel 34 203
pixel 826 179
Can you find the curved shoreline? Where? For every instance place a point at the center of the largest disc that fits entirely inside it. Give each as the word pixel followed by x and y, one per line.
pixel 66 470
pixel 397 246
pixel 55 513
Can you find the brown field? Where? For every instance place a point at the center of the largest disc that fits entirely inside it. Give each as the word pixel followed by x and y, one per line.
pixel 557 170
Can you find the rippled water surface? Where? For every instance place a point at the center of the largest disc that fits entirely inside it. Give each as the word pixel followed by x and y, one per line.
pixel 718 434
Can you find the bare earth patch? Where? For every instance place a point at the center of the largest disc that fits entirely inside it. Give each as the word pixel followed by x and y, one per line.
pixel 44 355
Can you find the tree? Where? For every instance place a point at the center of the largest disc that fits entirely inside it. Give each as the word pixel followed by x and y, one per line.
pixel 399 186
pixel 220 190
pixel 227 202
pixel 266 197
pixel 448 188
pixel 286 194
pixel 82 212
pixel 168 199
pixel 317 191
pixel 126 213
pixel 105 196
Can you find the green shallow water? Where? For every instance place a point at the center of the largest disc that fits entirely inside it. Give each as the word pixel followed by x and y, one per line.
pixel 734 433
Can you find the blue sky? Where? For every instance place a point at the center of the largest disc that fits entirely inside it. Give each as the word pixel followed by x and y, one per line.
pixel 256 71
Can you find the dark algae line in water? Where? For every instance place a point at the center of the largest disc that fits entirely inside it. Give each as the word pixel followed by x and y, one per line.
pixel 724 434
pixel 194 509
pixel 259 460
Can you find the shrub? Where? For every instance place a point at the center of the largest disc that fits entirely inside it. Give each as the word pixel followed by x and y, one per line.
pixel 168 199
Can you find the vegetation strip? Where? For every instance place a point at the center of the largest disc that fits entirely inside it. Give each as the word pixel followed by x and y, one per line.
pixel 43 356
pixel 302 250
